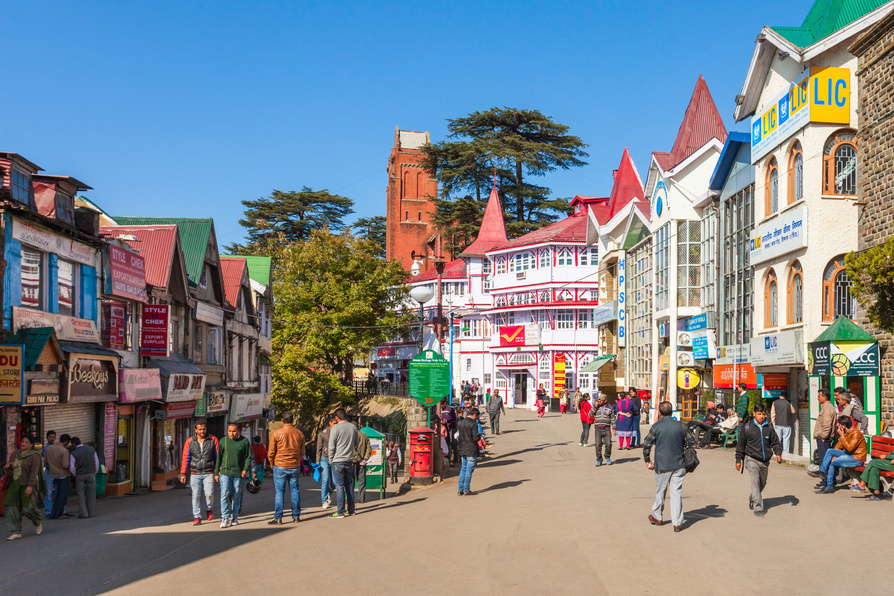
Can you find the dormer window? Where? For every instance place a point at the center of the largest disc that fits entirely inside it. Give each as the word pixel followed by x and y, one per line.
pixel 20 186
pixel 486 267
pixel 565 258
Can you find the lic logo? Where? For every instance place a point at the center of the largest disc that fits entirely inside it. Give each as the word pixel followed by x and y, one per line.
pixel 770 342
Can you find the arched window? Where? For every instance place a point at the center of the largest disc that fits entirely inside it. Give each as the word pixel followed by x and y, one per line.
pixel 795 308
pixel 795 174
pixel 837 298
pixel 771 301
pixel 840 165
pixel 771 201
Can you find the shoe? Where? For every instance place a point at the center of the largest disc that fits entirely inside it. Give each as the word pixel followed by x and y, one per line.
pixel 337 516
pixel 234 522
pixel 608 462
pixel 459 493
pixel 209 515
pixel 38 529
pixel 825 491
pixel 274 522
pixel 817 474
pixel 296 520
pixel 820 484
pixel 13 537
pixel 586 444
pixel 856 487
pixel 326 505
pixel 225 523
pixel 498 432
pixel 197 521
pixel 678 528
pixel 655 522
pixel 470 492
pixel 751 504
pixel 352 513
pixel 599 463
pixel 580 444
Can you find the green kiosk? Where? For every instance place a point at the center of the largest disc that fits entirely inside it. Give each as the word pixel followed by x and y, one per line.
pixel 375 467
pixel 844 355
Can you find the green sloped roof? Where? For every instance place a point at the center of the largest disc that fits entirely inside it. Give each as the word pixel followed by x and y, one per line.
pixel 258 268
pixel 843 329
pixel 825 18
pixel 194 237
pixel 34 341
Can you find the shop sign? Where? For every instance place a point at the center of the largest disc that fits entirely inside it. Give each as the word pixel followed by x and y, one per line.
pixel 696 323
pixel 774 381
pixel 209 314
pixel 703 345
pixel 780 235
pixel 111 432
pixel 816 95
pixel 175 411
pixel 184 387
pixel 664 361
pixel 605 313
pixel 519 335
pixel 622 299
pixel 126 274
pixel 386 353
pixel 67 328
pixel 687 378
pixel 728 376
pixel 12 374
pixel 201 408
pixel 559 377
pixel 737 354
pixel 113 324
pixel 92 378
pixel 42 400
pixel 49 242
pixel 843 359
pixel 217 402
pixel 777 349
pixel 154 331
pixel 245 406
pixel 139 384
pixel 43 392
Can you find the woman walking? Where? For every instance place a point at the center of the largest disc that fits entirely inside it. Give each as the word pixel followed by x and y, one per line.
pixel 625 426
pixel 541 398
pixel 586 420
pixel 26 489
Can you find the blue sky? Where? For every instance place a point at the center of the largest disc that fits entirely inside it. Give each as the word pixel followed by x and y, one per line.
pixel 187 108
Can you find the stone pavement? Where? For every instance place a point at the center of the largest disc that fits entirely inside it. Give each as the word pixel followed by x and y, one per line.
pixel 545 521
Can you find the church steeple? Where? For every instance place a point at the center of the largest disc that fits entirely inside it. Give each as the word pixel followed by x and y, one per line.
pixel 493 229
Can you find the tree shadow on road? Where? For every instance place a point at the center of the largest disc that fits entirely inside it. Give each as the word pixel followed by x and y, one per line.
pixel 508 484
pixel 696 515
pixel 777 501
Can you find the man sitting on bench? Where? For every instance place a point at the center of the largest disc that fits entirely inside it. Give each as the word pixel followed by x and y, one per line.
pixel 849 452
pixel 724 425
pixel 706 425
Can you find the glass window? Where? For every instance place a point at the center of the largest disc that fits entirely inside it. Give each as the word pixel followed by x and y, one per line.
pixel 795 294
pixel 737 222
pixel 840 164
pixel 662 260
pixel 771 303
pixel 20 185
pixel 772 201
pixel 215 345
pixel 584 318
pixel 198 343
pixel 584 260
pixel 501 265
pixel 639 312
pixel 565 319
pixel 486 286
pixel 486 266
pixel 837 298
pixel 67 288
pixel 795 174
pixel 565 258
pixel 32 278
pixel 544 258
pixel 689 275
pixel 203 279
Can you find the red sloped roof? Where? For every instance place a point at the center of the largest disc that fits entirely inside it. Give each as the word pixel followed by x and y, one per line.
pixel 455 269
pixel 155 244
pixel 701 123
pixel 571 229
pixel 627 188
pixel 493 229
pixel 233 271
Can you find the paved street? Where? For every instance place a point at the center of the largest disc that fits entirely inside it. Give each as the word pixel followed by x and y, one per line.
pixel 544 522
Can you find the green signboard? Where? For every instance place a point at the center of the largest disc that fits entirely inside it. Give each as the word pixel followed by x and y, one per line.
pixel 843 359
pixel 429 378
pixel 201 407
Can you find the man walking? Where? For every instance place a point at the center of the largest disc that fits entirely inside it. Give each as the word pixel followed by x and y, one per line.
pixel 637 417
pixel 468 449
pixel 782 416
pixel 343 440
pixel 670 439
pixel 824 429
pixel 361 455
pixel 58 459
pixel 325 466
pixel 605 415
pixel 494 410
pixel 756 445
pixel 287 448
pixel 231 468
pixel 48 498
pixel 199 459
pixel 84 466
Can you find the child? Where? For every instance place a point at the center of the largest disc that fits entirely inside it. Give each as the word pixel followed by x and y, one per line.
pixel 260 453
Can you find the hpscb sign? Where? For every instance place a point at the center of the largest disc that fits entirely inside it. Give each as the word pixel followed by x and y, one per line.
pixel 820 94
pixel 622 300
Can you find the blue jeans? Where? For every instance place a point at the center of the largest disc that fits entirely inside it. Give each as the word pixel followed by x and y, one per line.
pixel 61 487
pixel 230 496
pixel 343 473
pixel 638 439
pixel 326 480
pixel 785 436
pixel 281 477
pixel 199 483
pixel 465 473
pixel 48 499
pixel 842 460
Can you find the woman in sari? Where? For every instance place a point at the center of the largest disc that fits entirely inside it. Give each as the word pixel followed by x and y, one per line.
pixel 26 489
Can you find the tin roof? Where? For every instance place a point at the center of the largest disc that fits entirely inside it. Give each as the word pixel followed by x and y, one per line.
pixel 34 341
pixel 492 232
pixel 233 270
pixel 571 229
pixel 156 244
pixel 258 267
pixel 843 329
pixel 825 18
pixel 701 123
pixel 455 269
pixel 195 234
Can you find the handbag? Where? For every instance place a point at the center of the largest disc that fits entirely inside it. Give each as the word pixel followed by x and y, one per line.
pixel 6 479
pixel 691 458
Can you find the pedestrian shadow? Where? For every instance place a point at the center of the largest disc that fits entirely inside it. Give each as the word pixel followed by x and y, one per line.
pixel 777 501
pixel 529 449
pixel 508 484
pixel 380 505
pixel 506 432
pixel 489 463
pixel 625 460
pixel 696 515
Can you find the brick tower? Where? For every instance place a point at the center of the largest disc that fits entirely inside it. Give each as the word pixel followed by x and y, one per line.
pixel 409 217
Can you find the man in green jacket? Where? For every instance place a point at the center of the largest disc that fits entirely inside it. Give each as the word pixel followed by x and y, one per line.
pixel 231 470
pixel 362 453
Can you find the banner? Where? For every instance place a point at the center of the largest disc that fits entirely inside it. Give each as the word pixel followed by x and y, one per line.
pixel 843 359
pixel 728 376
pixel 138 384
pixel 113 324
pixel 126 274
pixel 780 235
pixel 12 375
pixel 154 336
pixel 67 328
pixel 513 335
pixel 559 382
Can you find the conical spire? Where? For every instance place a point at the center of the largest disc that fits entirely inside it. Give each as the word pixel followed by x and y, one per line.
pixel 628 185
pixel 493 229
pixel 701 123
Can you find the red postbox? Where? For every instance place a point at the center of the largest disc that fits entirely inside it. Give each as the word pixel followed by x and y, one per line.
pixel 421 463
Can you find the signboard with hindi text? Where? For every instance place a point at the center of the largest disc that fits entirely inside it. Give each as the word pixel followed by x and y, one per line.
pixel 12 374
pixel 429 378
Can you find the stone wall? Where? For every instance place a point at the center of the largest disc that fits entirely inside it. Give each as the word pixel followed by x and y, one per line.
pixel 875 139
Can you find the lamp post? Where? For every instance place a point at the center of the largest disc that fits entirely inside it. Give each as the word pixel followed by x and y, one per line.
pixel 421 294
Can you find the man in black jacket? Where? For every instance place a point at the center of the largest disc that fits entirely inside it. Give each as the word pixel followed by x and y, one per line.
pixel 670 438
pixel 199 457
pixel 468 449
pixel 757 443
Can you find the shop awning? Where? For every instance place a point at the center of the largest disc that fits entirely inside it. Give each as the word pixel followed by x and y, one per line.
pixel 597 364
pixel 175 364
pixel 843 329
pixel 78 347
pixel 34 340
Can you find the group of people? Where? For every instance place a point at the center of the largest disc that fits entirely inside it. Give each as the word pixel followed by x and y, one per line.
pixel 621 418
pixel 42 479
pixel 474 391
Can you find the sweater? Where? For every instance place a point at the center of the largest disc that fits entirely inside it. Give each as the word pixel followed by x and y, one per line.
pixel 343 439
pixel 233 457
pixel 58 459
pixel 758 442
pixel 604 416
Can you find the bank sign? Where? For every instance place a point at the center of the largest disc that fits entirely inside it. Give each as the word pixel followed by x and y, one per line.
pixel 817 95
pixel 780 235
pixel 843 359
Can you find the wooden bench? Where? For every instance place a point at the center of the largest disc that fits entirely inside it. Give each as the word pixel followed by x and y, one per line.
pixel 880 447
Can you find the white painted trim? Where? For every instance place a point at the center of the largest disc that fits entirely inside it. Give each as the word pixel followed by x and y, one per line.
pixel 679 168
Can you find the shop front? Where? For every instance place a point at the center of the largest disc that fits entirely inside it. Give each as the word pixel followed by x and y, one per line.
pixel 137 389
pixel 247 410
pixel 12 394
pixel 845 355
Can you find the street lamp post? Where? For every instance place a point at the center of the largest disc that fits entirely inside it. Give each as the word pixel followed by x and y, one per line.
pixel 422 294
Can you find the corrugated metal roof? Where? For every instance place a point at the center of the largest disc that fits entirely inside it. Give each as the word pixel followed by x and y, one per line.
pixel 701 123
pixel 492 232
pixel 34 340
pixel 155 244
pixel 825 18
pixel 195 233
pixel 571 229
pixel 258 267
pixel 455 269
pixel 233 269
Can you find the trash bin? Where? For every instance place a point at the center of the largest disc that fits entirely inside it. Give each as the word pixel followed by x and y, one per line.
pixel 101 480
pixel 554 404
